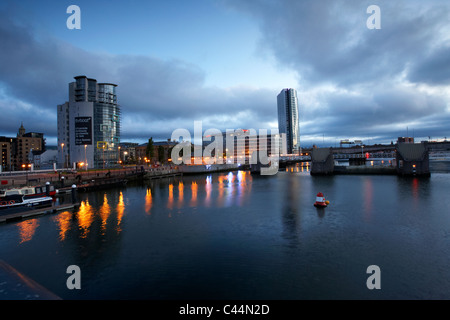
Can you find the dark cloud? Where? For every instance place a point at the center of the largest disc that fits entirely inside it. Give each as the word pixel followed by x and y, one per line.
pixel 156 96
pixel 353 82
pixel 371 80
pixel 433 69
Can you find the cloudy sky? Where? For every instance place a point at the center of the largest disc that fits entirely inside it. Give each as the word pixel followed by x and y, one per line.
pixel 223 62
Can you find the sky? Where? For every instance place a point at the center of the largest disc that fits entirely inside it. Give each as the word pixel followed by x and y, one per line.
pixel 223 62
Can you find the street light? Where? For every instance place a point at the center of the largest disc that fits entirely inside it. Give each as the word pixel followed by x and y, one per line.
pixel 63 158
pixel 85 160
pixel 24 166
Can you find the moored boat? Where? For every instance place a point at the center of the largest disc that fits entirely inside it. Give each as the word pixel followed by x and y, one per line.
pixel 29 192
pixel 17 200
pixel 29 196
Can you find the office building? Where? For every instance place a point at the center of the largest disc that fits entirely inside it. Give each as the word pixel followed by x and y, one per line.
pixel 288 119
pixel 89 125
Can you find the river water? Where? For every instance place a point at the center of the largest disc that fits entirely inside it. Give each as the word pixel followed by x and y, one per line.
pixel 238 235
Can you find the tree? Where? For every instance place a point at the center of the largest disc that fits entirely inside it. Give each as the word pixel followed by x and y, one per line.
pixel 149 151
pixel 161 156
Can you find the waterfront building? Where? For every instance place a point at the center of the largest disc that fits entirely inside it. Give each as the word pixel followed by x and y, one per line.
pixel 288 119
pixel 17 152
pixel 161 152
pixel 127 152
pixel 405 140
pixel 89 125
pixel 25 146
pixel 6 144
pixel 239 146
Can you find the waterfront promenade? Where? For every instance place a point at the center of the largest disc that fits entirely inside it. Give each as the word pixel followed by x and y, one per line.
pixel 67 177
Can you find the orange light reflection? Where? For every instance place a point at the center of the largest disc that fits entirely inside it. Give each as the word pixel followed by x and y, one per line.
pixel 27 229
pixel 148 201
pixel 105 210
pixel 85 217
pixel 170 200
pixel 63 220
pixel 120 210
pixel 194 188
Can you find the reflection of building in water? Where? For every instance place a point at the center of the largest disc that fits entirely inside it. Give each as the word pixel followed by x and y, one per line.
pixel 120 210
pixel 170 200
pixel 27 229
pixel 208 189
pixel 194 189
pixel 148 201
pixel 299 167
pixel 64 220
pixel 180 194
pixel 105 211
pixel 85 216
pixel 368 198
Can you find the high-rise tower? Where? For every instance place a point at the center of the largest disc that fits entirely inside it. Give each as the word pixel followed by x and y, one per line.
pixel 89 124
pixel 288 119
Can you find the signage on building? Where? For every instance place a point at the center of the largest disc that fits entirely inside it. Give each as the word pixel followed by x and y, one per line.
pixel 83 130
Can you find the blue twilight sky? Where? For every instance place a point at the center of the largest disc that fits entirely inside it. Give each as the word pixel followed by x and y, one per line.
pixel 223 62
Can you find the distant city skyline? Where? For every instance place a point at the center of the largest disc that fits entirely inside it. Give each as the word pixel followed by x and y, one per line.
pixel 224 62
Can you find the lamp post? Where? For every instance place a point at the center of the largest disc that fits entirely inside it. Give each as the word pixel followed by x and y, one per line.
pixel 63 158
pixel 25 167
pixel 103 155
pixel 85 160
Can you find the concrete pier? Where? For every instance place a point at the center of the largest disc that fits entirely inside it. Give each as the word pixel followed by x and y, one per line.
pixel 36 212
pixel 322 161
pixel 413 159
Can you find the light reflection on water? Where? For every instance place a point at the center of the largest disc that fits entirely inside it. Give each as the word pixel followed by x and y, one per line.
pixel 237 235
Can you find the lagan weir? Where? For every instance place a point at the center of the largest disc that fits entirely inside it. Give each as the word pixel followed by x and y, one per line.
pixel 404 159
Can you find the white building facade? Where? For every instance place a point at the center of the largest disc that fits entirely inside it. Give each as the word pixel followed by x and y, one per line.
pixel 89 125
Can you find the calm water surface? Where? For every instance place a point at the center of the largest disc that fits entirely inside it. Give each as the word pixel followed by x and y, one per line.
pixel 242 236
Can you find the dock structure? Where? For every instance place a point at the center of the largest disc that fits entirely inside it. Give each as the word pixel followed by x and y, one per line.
pixel 413 159
pixel 159 173
pixel 25 214
pixel 407 159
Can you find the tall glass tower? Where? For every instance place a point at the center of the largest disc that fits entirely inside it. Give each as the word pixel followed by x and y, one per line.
pixel 89 125
pixel 288 119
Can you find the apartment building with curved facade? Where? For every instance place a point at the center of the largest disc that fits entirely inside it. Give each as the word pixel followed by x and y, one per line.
pixel 89 125
pixel 288 119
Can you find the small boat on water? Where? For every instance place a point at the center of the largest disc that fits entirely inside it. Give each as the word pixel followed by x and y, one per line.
pixel 17 200
pixel 320 201
pixel 29 192
pixel 32 196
